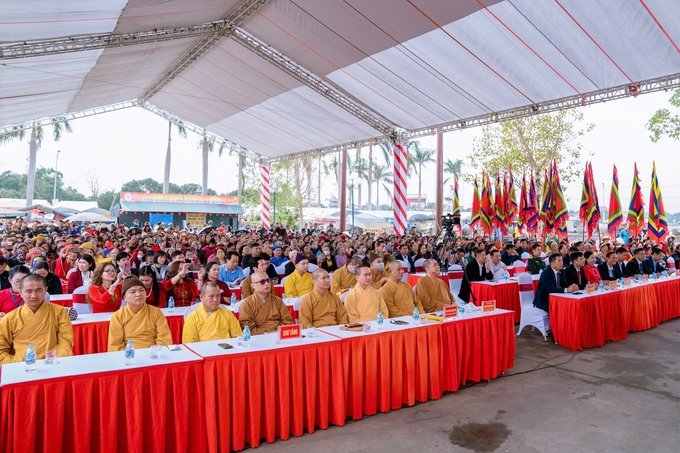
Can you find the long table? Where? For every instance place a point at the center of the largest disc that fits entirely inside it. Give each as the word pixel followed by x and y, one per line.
pixel 506 295
pixel 96 403
pixel 589 320
pixel 205 398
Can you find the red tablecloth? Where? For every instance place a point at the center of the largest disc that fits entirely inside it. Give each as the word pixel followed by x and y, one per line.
pixel 272 394
pixel 145 410
pixel 476 349
pixel 63 300
pixel 506 295
pixel 386 371
pixel 668 299
pixel 93 337
pixel 588 322
pixel 640 307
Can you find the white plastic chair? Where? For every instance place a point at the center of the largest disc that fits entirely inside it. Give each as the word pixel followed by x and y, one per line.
pixel 246 272
pixel 281 269
pixel 455 280
pixel 519 267
pixel 407 268
pixel 419 264
pixel 189 309
pixel 47 297
pixel 312 267
pixel 80 300
pixel 525 257
pixel 531 316
pixel 670 264
pixel 283 280
pixel 343 296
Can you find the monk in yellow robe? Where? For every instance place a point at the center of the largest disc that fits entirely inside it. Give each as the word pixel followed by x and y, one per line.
pixel 210 321
pixel 263 312
pixel 38 322
pixel 397 295
pixel 299 282
pixel 138 321
pixel 344 278
pixel 431 290
pixel 379 276
pixel 364 301
pixel 321 308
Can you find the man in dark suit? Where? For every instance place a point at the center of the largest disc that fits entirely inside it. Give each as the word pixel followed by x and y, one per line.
pixel 404 256
pixel 575 273
pixel 636 265
pixel 552 281
pixel 622 261
pixel 477 271
pixel 655 264
pixel 609 269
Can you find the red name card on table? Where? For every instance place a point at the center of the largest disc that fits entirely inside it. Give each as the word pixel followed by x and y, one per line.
pixel 645 278
pixel 612 284
pixel 488 306
pixel 590 288
pixel 291 332
pixel 450 311
pixel 627 281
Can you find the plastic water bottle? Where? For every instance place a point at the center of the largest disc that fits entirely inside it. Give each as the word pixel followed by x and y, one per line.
pixel 233 299
pixel 621 282
pixel 601 285
pixel 461 308
pixel 380 320
pixel 30 358
pixel 506 276
pixel 130 353
pixel 171 304
pixel 246 337
pixel 416 315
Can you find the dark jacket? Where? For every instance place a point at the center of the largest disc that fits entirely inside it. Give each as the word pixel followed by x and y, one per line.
pixel 652 267
pixel 53 284
pixel 633 268
pixel 472 274
pixel 409 259
pixel 603 269
pixel 572 277
pixel 547 285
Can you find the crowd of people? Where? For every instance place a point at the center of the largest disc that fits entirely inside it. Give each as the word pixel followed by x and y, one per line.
pixel 338 277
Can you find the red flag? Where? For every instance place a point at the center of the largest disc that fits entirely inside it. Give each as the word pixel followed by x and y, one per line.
pixel 522 217
pixel 636 209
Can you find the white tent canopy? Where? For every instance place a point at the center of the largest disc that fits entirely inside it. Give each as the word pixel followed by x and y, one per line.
pixel 289 77
pixel 89 217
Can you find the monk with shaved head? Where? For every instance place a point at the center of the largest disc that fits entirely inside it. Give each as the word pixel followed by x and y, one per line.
pixel 263 311
pixel 397 295
pixel 431 290
pixel 320 307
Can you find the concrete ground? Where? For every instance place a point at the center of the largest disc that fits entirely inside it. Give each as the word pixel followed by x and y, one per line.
pixel 624 397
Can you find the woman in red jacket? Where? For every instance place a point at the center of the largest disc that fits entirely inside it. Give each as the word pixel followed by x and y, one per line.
pixel 590 269
pixel 82 274
pixel 178 286
pixel 155 294
pixel 105 291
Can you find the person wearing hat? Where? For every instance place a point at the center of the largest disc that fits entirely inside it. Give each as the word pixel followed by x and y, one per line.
pixel 277 258
pixel 47 326
pixel 379 275
pixel 299 282
pixel 138 321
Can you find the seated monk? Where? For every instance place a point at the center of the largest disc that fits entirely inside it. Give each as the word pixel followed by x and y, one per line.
pixel 138 321
pixel 38 322
pixel 344 278
pixel 432 291
pixel 379 276
pixel 257 264
pixel 321 308
pixel 397 295
pixel 263 311
pixel 299 282
pixel 210 321
pixel 364 301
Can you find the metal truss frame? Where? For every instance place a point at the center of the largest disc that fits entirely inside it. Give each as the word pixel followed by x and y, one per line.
pixel 225 28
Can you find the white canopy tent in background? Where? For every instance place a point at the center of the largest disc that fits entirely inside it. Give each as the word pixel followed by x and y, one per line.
pixel 281 78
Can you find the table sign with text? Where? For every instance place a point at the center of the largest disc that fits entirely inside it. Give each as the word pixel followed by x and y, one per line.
pixel 450 311
pixel 291 332
pixel 488 306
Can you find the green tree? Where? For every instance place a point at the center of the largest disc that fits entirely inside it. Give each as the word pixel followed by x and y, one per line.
pixel 207 145
pixel 665 123
pixel 106 199
pixel 454 168
pixel 381 175
pixel 421 157
pixel 530 144
pixel 13 185
pixel 148 185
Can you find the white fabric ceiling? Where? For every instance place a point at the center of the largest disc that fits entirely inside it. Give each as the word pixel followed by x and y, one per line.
pixel 415 63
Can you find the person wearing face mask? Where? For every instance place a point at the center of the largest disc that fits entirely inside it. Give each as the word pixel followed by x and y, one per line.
pixel 379 275
pixel 325 260
pixel 344 278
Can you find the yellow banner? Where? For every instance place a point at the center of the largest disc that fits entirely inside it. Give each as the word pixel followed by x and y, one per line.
pixel 196 219
pixel 177 198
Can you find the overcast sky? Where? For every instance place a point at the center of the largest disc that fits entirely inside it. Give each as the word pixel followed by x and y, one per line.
pixel 130 144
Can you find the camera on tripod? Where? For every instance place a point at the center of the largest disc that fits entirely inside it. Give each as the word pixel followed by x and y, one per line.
pixel 448 222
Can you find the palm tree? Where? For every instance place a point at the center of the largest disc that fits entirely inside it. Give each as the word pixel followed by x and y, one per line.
pixel 421 157
pixel 454 168
pixel 207 146
pixel 381 175
pixel 181 131
pixel 59 125
pixel 369 177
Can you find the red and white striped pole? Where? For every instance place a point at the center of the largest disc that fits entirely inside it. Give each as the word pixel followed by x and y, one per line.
pixel 400 177
pixel 264 196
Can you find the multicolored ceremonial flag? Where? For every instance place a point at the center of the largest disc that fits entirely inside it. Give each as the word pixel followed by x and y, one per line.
pixel 636 209
pixel 657 224
pixel 510 200
pixel 487 205
pixel 547 214
pixel 476 215
pixel 615 214
pixel 456 200
pixel 531 208
pixel 593 210
pixel 521 214
pixel 559 205
pixel 499 203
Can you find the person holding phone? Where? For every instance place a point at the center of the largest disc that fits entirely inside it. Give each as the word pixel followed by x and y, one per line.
pixel 124 267
pixel 179 286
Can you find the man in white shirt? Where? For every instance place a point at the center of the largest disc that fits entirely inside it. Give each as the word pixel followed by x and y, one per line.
pixel 496 266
